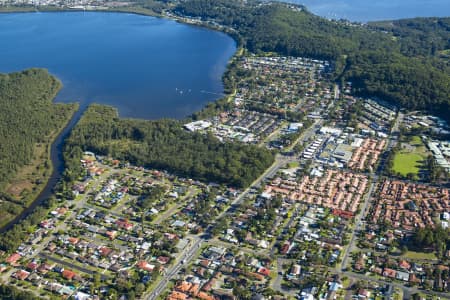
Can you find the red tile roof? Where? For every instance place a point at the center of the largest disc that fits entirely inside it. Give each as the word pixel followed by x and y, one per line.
pixel 389 273
pixel 404 265
pixel 143 265
pixel 32 266
pixel 21 275
pixel 264 271
pixel 73 240
pixel 177 296
pixel 13 258
pixel 163 260
pixel 68 274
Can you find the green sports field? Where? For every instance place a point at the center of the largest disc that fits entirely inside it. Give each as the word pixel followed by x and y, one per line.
pixel 410 160
pixel 405 163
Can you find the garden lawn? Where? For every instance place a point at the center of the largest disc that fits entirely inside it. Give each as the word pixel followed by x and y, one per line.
pixel 294 164
pixel 420 255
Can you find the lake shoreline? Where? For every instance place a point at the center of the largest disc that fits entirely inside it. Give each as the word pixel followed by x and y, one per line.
pixel 130 10
pixel 375 11
pixel 151 83
pixel 57 144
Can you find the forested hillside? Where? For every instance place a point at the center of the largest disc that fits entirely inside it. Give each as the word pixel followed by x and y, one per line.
pixel 419 36
pixel 164 144
pixel 412 82
pixel 29 121
pixel 405 62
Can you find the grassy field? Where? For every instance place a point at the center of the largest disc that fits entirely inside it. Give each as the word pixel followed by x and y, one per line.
pixel 28 176
pixel 405 163
pixel 410 158
pixel 294 164
pixel 5 215
pixel 420 255
pixel 416 141
pixel 27 183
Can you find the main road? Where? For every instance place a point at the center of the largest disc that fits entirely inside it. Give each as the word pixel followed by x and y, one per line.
pixel 280 161
pixel 188 254
pixel 407 291
pixel 358 225
pixel 392 141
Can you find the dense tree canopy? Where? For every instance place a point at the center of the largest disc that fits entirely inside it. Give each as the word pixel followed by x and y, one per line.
pixel 409 82
pixel 419 36
pixel 28 116
pixel 165 144
pixel 428 238
pixel 8 292
pixel 13 237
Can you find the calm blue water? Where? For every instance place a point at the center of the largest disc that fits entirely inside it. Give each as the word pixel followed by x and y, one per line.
pixel 372 10
pixel 147 67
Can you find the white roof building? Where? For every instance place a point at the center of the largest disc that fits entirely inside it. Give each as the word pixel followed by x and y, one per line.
pixel 197 125
pixel 330 130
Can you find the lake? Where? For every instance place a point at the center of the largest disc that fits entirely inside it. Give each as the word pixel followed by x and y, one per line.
pixel 372 10
pixel 146 67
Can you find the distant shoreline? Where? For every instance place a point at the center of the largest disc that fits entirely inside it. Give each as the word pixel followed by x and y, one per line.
pixel 366 12
pixel 130 10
